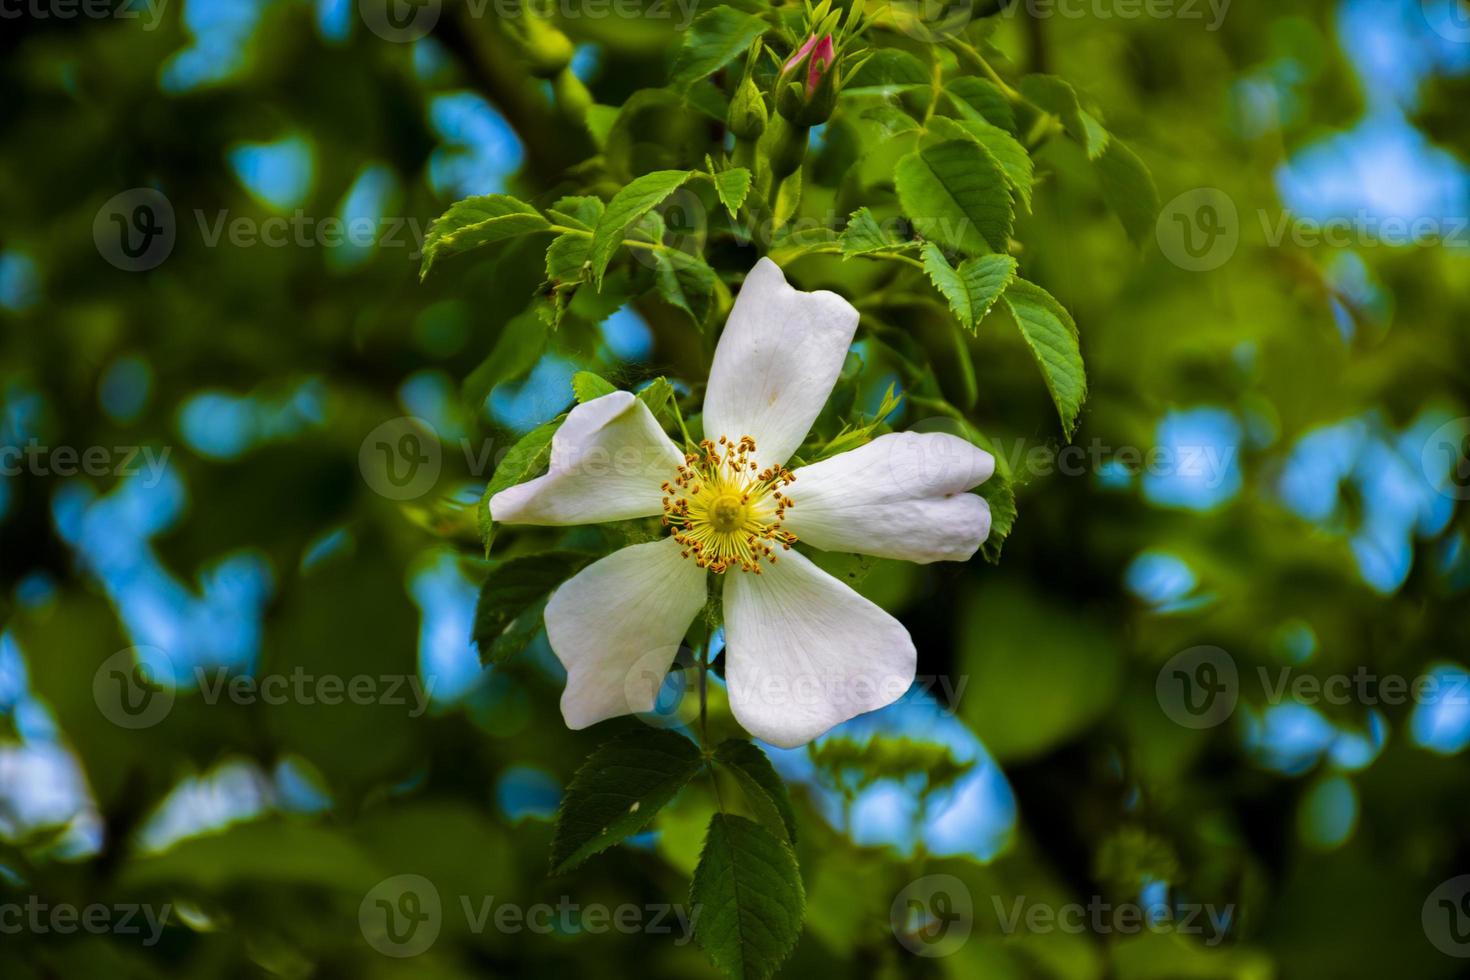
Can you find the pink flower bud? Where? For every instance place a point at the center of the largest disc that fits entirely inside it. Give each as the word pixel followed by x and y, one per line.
pixel 822 54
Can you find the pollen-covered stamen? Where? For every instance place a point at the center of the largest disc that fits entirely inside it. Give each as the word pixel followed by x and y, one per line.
pixel 724 511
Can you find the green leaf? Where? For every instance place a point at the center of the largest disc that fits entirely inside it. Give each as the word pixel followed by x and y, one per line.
pixel 1007 150
pixel 957 194
pixel 714 40
pixel 1001 496
pixel 788 198
pixel 1058 97
pixel 624 211
pixel 1052 336
pixel 732 186
pixel 477 221
pixel 748 889
pixel 526 459
pixel 515 590
pixel 1129 189
pixel 658 395
pixel 566 256
pixel 888 72
pixel 980 100
pixel 618 791
pixel 587 386
pixel 519 346
pixel 764 789
pixel 577 212
pixel 864 235
pixel 685 281
pixel 972 288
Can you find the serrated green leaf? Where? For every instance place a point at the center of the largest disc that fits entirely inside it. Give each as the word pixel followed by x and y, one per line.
pixel 864 235
pixel 764 789
pixel 478 221
pixel 1058 97
pixel 685 281
pixel 618 791
pixel 507 615
pixel 658 395
pixel 528 458
pixel 1052 336
pixel 1001 497
pixel 1129 189
pixel 748 889
pixel 587 386
pixel 1007 150
pixel 714 40
pixel 956 193
pixel 972 288
pixel 577 212
pixel 981 100
pixel 625 210
pixel 732 186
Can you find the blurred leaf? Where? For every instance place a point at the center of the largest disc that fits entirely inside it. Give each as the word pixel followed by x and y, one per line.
pixel 765 791
pixel 618 790
pixel 514 588
pixel 715 39
pixel 1058 97
pixel 1052 336
pixel 658 395
pixel 478 221
pixel 685 281
pixel 1129 189
pixel 981 100
pixel 889 71
pixel 749 891
pixel 956 194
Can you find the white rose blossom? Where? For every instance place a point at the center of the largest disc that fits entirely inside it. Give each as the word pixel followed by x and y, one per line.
pixel 804 652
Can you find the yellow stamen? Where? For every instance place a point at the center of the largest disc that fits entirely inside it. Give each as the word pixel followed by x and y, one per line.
pixel 737 520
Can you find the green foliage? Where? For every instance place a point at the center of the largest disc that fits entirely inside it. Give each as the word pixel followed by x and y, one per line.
pixel 957 194
pixel 1052 336
pixel 750 897
pixel 972 288
pixel 479 221
pixel 764 790
pixel 618 790
pixel 513 596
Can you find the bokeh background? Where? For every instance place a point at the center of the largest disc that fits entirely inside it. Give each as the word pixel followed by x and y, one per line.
pixel 232 520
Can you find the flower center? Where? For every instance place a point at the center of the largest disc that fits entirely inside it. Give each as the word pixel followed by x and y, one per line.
pixel 724 512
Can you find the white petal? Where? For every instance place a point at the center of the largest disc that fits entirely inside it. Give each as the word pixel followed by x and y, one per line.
pixel 616 627
pixel 776 363
pixel 607 462
pixel 805 652
pixel 900 496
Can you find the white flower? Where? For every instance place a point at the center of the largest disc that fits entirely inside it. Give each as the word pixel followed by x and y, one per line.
pixel 804 652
